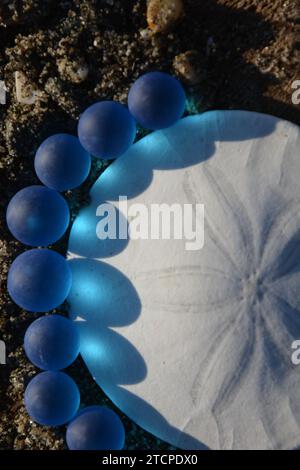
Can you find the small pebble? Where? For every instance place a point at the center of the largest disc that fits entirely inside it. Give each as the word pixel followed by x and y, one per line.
pixel 24 90
pixel 162 15
pixel 189 68
pixel 75 72
pixel 145 34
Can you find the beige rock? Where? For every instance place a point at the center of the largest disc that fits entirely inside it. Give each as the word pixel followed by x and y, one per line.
pixel 189 67
pixel 163 14
pixel 73 71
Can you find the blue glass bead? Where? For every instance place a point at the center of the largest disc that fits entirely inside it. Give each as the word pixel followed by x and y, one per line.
pixel 52 342
pixel 156 100
pixel 106 129
pixel 52 398
pixel 96 428
pixel 37 216
pixel 61 163
pixel 39 280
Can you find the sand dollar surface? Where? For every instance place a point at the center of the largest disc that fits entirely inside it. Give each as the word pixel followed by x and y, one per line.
pixel 195 345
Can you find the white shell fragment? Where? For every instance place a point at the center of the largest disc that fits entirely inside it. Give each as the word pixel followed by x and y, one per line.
pixel 196 346
pixel 25 92
pixel 3 91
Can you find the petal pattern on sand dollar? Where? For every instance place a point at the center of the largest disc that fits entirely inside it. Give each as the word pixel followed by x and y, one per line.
pixel 203 338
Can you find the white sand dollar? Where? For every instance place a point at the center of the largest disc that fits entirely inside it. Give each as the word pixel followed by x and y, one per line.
pixel 195 346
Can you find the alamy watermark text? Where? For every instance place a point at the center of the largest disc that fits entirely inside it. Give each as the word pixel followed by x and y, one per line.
pixel 154 222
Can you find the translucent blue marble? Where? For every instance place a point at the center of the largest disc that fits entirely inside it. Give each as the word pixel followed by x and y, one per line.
pixel 106 129
pixel 96 428
pixel 52 398
pixel 52 342
pixel 39 280
pixel 37 216
pixel 61 163
pixel 156 100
